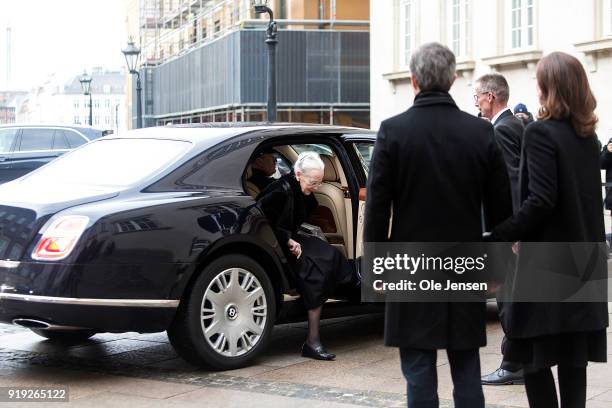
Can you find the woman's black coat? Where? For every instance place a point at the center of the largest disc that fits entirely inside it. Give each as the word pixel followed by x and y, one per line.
pixel 286 207
pixel 561 203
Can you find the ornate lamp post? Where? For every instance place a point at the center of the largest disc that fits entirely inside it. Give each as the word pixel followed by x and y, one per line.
pixel 131 53
pixel 85 81
pixel 261 6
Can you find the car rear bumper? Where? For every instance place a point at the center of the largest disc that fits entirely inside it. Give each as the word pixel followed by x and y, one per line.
pixel 98 297
pixel 57 314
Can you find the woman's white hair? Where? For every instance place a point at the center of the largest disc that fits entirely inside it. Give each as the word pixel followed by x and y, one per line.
pixel 307 161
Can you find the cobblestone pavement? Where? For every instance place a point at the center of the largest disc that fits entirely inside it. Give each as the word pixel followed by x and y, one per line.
pixel 136 370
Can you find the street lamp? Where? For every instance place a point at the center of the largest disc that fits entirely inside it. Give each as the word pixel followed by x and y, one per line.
pixel 85 81
pixel 261 6
pixel 132 53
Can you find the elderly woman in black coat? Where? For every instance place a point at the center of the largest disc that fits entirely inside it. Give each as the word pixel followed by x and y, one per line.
pixel 561 206
pixel 318 266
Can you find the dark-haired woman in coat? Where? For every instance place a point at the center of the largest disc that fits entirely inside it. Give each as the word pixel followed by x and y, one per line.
pixel 561 206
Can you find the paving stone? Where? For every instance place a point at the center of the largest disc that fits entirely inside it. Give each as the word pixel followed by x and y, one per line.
pixel 143 370
pixel 604 396
pixel 110 348
pixel 597 404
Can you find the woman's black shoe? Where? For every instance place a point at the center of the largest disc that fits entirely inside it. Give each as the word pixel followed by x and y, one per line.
pixel 318 353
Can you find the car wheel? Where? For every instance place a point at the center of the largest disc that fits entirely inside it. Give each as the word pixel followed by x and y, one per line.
pixel 227 317
pixel 65 336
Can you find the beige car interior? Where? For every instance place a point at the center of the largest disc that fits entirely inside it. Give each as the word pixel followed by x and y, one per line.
pixel 251 188
pixel 334 214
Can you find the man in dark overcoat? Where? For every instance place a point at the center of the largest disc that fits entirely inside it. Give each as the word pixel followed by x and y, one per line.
pixel 491 95
pixel 436 166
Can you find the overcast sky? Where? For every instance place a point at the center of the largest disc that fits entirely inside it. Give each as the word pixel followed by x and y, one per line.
pixel 60 36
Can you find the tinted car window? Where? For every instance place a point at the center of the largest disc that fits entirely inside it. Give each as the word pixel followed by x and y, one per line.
pixel 6 139
pixel 364 150
pixel 36 139
pixel 315 147
pixel 60 141
pixel 74 139
pixel 111 162
pixel 92 134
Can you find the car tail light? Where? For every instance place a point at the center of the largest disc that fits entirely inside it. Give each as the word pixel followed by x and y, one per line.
pixel 60 237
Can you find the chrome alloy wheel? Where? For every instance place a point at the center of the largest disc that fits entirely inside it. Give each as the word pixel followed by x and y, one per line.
pixel 233 312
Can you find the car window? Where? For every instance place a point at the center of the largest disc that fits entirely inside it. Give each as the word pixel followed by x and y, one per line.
pixel 110 162
pixel 60 141
pixel 36 139
pixel 74 139
pixel 313 147
pixel 93 134
pixel 7 136
pixel 364 151
pixel 283 166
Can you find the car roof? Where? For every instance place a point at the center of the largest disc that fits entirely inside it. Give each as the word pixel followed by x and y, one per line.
pixel 47 125
pixel 213 133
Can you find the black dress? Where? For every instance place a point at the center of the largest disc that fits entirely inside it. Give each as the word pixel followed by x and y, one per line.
pixel 321 268
pixel 561 203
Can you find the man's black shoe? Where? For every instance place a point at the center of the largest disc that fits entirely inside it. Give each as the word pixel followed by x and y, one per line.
pixel 503 377
pixel 318 353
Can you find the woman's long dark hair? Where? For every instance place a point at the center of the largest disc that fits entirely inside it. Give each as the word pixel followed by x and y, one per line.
pixel 565 92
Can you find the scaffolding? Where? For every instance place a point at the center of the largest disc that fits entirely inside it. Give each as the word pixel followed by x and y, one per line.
pixel 174 35
pixel 170 28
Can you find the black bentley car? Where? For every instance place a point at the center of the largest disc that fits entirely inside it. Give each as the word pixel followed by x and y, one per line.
pixel 157 229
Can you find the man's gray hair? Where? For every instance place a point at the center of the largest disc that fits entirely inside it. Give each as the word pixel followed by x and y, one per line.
pixel 307 161
pixel 433 66
pixel 496 84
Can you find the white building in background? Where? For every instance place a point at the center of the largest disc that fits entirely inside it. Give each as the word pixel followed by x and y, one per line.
pixel 61 101
pixel 506 36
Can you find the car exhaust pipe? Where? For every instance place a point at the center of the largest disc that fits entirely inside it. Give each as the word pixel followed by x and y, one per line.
pixel 40 324
pixel 31 323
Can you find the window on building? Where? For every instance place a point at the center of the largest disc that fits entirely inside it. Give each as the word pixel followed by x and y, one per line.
pixel 107 120
pixel 77 120
pixel 407 30
pixel 76 103
pixel 107 103
pixel 607 15
pixel 522 16
pixel 217 26
pixel 96 120
pixel 96 103
pixel 459 27
pixel 193 33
